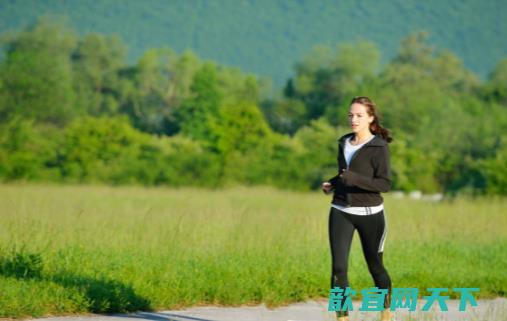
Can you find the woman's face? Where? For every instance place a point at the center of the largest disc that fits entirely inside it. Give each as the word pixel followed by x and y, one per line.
pixel 359 120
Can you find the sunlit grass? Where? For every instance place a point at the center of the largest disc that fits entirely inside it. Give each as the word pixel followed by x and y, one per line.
pixel 127 248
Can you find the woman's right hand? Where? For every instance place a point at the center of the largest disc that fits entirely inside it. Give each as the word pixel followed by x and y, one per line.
pixel 326 187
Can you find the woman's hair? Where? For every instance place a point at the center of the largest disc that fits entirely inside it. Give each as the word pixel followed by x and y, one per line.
pixel 371 109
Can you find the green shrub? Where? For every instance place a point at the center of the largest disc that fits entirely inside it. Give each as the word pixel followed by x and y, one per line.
pixel 21 264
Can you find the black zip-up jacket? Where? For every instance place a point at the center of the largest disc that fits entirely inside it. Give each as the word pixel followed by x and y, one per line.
pixel 368 175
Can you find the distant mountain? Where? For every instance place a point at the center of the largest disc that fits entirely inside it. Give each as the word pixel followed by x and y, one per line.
pixel 267 37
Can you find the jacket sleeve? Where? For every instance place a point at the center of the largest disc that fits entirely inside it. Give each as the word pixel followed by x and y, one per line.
pixel 334 180
pixel 380 182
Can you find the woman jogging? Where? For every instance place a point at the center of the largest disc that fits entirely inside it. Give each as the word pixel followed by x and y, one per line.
pixel 363 173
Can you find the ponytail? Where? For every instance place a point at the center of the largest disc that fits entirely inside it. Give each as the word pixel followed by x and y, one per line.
pixel 375 126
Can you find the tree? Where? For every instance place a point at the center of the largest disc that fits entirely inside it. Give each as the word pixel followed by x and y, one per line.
pixel 198 116
pixel 326 77
pixel 97 61
pixel 27 151
pixel 36 74
pixel 494 169
pixel 495 89
pixel 159 84
pixel 285 115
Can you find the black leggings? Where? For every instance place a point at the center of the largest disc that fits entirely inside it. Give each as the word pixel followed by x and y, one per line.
pixel 372 231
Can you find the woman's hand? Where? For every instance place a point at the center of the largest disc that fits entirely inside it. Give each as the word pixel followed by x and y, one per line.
pixel 326 187
pixel 346 177
pixel 341 174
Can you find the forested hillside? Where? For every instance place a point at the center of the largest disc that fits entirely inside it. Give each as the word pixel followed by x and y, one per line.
pixel 267 37
pixel 73 109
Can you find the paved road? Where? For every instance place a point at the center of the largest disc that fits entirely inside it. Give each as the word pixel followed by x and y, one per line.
pixel 486 310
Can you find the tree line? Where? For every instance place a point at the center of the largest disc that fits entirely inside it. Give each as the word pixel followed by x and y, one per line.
pixel 72 110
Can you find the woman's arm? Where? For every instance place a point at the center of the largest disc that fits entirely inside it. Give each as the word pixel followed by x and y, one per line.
pixel 380 182
pixel 333 180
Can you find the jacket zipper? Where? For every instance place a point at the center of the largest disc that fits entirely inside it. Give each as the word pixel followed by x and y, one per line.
pixel 348 166
pixel 354 156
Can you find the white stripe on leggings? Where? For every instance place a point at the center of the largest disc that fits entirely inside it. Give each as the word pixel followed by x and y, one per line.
pixel 383 239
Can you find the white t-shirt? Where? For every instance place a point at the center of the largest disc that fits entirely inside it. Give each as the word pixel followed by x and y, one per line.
pixel 348 152
pixel 350 149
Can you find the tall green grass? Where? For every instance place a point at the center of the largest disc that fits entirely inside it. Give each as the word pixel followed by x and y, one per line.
pixel 79 249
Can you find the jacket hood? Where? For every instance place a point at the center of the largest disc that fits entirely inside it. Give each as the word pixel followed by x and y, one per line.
pixel 376 141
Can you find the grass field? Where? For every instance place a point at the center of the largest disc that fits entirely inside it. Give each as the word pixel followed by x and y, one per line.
pixel 77 249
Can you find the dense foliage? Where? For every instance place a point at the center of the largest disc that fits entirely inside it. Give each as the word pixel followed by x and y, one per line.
pixel 73 110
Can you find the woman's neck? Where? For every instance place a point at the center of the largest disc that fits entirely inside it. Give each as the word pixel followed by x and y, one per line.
pixel 362 136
